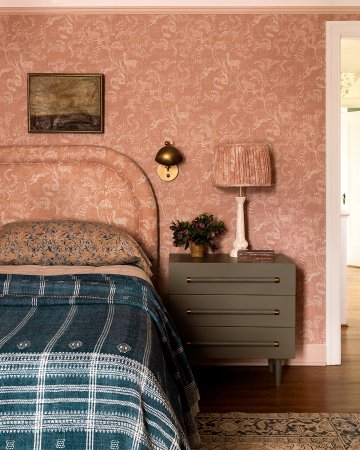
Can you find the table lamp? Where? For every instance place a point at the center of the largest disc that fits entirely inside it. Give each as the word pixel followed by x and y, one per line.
pixel 242 165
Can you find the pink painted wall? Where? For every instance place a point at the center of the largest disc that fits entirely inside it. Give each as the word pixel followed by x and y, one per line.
pixel 201 81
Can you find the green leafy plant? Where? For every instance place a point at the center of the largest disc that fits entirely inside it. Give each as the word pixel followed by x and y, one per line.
pixel 204 229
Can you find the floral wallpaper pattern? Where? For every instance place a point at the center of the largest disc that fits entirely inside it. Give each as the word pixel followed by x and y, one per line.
pixel 200 81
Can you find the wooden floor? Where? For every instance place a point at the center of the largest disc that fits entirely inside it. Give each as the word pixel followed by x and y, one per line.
pixel 303 389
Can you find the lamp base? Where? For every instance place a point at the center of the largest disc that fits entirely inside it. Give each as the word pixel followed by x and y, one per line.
pixel 240 243
pixel 234 251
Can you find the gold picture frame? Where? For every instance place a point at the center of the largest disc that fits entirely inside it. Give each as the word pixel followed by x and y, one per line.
pixel 65 103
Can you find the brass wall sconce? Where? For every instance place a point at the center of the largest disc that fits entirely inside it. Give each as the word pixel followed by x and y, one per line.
pixel 168 157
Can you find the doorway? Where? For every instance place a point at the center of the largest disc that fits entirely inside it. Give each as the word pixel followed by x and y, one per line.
pixel 335 31
pixel 350 163
pixel 350 181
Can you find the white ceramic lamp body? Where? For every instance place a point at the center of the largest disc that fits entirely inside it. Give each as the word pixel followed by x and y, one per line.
pixel 240 243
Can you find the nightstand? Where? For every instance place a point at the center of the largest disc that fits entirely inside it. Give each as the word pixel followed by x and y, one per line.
pixel 229 310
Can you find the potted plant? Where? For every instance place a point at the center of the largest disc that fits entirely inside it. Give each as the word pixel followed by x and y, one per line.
pixel 199 234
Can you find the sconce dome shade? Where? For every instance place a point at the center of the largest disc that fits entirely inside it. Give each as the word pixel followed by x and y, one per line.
pixel 168 155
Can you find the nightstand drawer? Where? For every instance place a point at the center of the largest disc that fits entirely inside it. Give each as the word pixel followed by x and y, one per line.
pixel 225 279
pixel 239 342
pixel 232 310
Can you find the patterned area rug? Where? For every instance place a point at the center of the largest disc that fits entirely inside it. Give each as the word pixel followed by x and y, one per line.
pixel 308 431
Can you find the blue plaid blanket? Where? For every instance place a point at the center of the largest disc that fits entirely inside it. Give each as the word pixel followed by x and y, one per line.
pixel 91 362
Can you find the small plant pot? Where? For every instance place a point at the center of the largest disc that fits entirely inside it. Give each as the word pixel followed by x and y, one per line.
pixel 197 250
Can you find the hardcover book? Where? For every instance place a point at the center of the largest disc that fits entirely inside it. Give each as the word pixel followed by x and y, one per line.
pixel 256 255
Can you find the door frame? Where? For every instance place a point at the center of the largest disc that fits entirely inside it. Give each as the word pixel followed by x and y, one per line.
pixel 334 32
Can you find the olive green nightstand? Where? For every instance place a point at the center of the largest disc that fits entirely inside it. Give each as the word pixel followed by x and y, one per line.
pixel 229 310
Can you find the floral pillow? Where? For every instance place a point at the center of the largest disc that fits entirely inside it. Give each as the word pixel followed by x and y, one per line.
pixel 69 243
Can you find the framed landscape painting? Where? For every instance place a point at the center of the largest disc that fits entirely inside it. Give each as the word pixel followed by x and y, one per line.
pixel 65 103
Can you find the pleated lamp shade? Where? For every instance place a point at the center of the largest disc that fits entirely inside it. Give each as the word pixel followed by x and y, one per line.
pixel 242 165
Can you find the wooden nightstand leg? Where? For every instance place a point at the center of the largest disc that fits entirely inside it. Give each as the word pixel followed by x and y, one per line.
pixel 278 366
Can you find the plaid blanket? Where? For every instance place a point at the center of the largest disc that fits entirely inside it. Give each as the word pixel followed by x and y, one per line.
pixel 91 362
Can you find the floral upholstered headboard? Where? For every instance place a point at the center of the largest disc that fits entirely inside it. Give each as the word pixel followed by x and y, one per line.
pixel 78 182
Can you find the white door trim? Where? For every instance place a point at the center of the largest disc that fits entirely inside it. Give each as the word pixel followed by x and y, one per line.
pixel 334 32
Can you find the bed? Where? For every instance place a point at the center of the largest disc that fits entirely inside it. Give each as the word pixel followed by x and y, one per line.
pixel 89 358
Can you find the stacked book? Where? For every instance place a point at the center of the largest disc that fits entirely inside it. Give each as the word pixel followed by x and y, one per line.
pixel 256 256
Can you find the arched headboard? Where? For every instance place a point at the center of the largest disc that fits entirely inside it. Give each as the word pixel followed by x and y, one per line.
pixel 82 182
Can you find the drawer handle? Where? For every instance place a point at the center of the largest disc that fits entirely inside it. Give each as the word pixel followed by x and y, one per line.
pixel 233 279
pixel 235 312
pixel 233 344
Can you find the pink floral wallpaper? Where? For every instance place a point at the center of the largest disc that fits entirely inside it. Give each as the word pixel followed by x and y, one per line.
pixel 200 81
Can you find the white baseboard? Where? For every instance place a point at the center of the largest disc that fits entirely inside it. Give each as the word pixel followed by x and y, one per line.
pixel 309 355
